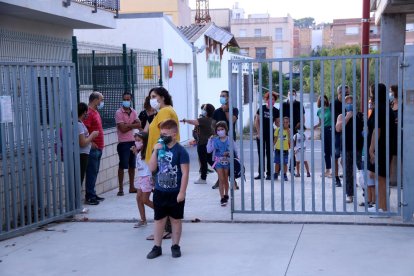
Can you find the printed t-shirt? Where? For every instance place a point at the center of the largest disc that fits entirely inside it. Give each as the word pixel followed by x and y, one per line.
pixel 284 138
pixel 169 174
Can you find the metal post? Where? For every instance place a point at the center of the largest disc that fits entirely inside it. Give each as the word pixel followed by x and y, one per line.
pixel 131 58
pixel 408 122
pixel 75 61
pixel 365 46
pixel 160 66
pixel 125 66
pixel 93 71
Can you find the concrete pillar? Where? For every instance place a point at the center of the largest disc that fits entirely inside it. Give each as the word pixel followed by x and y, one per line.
pixel 392 40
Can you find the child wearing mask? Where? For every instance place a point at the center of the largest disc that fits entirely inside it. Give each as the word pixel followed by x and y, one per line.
pixel 282 144
pixel 220 146
pixel 143 183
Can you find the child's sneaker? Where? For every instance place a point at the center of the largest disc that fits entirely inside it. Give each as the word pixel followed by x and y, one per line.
pixel 285 177
pixel 308 175
pixel 226 197
pixel 223 202
pixel 175 251
pixel 155 252
pixel 275 176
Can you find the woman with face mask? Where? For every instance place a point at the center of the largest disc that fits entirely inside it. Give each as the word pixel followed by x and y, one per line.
pixel 161 101
pixel 347 120
pixel 204 131
pixel 147 115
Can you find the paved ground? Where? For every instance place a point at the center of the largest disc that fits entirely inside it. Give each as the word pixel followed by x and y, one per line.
pixel 104 242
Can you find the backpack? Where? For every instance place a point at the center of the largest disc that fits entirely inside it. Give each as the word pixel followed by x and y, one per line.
pixel 238 170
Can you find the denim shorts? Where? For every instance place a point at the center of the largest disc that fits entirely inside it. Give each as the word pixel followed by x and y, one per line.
pixel 127 158
pixel 285 157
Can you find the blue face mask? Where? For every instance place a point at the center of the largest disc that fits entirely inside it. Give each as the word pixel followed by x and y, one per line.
pixel 126 104
pixel 101 105
pixel 223 100
pixel 348 107
pixel 391 96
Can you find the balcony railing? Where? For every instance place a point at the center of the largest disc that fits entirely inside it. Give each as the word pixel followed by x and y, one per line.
pixel 109 5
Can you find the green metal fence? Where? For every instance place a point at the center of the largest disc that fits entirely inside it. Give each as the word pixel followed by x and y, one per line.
pixel 114 70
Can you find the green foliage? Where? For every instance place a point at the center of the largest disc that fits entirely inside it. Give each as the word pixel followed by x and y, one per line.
pixel 235 50
pixel 275 80
pixel 304 22
pixel 333 71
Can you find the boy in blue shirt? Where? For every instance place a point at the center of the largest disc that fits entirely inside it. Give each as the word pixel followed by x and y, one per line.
pixel 171 163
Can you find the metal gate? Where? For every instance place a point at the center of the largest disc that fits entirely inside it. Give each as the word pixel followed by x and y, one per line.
pixel 39 152
pixel 312 77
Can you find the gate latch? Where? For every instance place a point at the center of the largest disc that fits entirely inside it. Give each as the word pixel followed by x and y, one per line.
pixel 402 204
pixel 404 65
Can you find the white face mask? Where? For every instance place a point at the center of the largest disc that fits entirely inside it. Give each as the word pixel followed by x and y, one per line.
pixel 221 133
pixel 155 104
pixel 138 145
pixel 203 112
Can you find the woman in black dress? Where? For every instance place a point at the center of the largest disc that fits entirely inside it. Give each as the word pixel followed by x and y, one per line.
pixel 147 115
pixel 380 137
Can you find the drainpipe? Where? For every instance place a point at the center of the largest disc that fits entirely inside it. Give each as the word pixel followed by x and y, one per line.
pixel 195 80
pixel 365 22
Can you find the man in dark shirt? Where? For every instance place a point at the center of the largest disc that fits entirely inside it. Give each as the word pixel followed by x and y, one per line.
pixel 264 135
pixel 297 113
pixel 222 113
pixel 338 137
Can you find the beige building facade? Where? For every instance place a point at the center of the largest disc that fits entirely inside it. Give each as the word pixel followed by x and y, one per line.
pixel 177 10
pixel 262 36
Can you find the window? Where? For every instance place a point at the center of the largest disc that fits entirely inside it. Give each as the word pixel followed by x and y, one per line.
pixel 409 27
pixel 242 32
pixel 260 53
pixel 278 52
pixel 257 32
pixel 278 34
pixel 353 30
pixel 244 51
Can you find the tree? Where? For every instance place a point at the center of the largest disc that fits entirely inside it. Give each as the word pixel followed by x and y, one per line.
pixel 305 22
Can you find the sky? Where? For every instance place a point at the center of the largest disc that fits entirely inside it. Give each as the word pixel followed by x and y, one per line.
pixel 321 10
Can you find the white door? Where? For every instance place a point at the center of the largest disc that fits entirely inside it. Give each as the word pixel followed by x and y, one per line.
pixel 178 86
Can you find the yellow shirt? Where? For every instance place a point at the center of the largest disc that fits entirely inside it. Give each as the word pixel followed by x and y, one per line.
pixel 166 113
pixel 285 138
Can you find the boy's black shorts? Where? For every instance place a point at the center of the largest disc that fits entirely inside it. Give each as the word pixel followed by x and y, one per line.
pixel 166 205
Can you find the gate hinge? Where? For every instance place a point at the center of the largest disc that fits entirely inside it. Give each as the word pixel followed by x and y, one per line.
pixel 404 65
pixel 402 204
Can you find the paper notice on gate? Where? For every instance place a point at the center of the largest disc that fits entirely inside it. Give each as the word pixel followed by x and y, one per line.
pixel 6 112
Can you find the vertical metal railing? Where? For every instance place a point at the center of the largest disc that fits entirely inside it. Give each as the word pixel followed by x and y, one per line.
pixel 313 77
pixel 39 184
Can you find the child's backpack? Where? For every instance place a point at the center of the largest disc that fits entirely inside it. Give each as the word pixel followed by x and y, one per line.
pixel 238 170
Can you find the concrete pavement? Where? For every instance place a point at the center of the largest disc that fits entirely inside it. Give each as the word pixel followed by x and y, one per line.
pixel 80 248
pixel 104 242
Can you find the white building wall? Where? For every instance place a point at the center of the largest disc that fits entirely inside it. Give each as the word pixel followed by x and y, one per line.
pixel 152 34
pixel 317 38
pixel 209 88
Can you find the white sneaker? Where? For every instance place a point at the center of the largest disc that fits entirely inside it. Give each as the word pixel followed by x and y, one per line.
pixel 200 181
pixel 349 199
pixel 374 210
